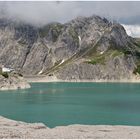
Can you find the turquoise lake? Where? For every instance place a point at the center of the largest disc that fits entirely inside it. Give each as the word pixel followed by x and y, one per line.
pixel 57 104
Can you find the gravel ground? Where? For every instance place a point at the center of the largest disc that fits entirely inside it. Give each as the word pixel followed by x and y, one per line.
pixel 16 129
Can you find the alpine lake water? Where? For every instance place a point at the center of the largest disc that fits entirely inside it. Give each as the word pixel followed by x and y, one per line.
pixel 59 104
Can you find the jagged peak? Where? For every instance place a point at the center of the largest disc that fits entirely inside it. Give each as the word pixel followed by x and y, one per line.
pixel 89 19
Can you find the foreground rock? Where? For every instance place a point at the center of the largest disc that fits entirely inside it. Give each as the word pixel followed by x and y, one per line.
pixel 13 82
pixel 16 129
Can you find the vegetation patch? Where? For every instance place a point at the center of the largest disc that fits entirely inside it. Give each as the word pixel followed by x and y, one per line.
pixel 97 60
pixel 138 55
pixel 101 58
pixel 116 53
pixel 19 74
pixel 4 74
pixel 127 52
pixel 137 70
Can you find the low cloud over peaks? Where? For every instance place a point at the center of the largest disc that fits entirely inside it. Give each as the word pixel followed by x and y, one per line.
pixel 40 13
pixel 132 30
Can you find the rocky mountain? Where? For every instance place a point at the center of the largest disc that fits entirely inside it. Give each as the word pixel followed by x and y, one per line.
pixel 84 48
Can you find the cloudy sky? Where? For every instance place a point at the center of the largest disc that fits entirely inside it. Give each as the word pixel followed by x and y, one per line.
pixel 40 13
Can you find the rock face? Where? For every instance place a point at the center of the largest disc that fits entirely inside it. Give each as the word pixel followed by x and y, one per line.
pixel 12 82
pixel 84 48
pixel 114 69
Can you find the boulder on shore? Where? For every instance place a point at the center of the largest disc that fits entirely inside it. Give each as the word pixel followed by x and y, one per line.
pixel 12 81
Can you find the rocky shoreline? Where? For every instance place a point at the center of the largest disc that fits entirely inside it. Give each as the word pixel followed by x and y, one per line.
pixel 16 129
pixel 46 79
pixel 13 82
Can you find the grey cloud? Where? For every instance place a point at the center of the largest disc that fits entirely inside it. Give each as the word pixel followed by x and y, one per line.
pixel 40 13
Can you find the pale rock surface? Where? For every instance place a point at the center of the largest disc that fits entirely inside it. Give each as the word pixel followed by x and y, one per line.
pixel 13 82
pixel 16 129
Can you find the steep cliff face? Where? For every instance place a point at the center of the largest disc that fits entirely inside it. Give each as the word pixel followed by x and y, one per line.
pixel 84 48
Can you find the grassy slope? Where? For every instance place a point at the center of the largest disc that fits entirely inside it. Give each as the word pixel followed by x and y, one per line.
pixel 102 58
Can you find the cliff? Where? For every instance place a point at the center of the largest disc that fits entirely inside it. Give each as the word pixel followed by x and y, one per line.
pixel 84 48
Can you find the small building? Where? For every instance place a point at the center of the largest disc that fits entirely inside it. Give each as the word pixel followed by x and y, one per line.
pixel 4 69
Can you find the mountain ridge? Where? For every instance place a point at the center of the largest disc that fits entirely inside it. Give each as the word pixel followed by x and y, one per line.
pixel 84 48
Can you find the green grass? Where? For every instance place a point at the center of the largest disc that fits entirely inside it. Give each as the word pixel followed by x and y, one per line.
pixel 97 60
pixel 116 53
pixel 102 58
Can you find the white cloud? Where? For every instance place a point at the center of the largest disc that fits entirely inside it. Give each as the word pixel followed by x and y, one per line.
pixel 42 12
pixel 132 30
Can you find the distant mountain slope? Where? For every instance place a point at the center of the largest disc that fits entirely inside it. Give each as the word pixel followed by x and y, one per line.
pixel 84 48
